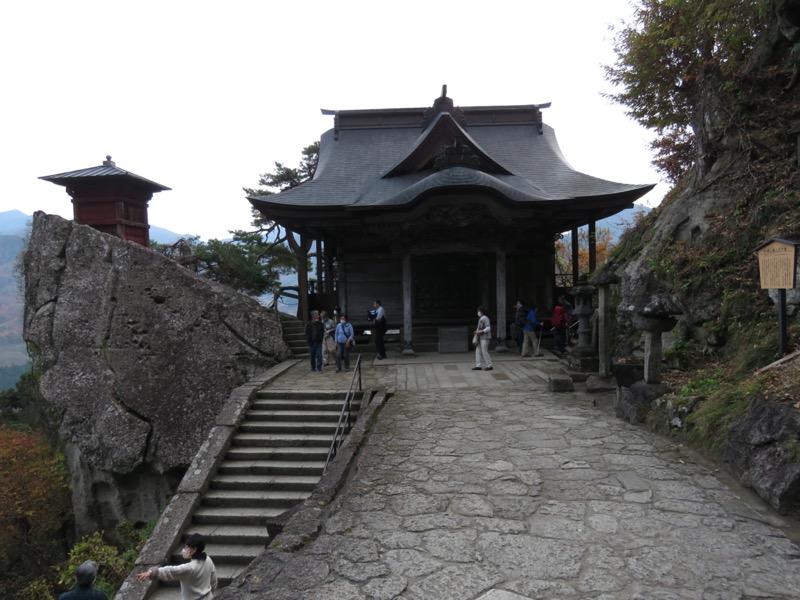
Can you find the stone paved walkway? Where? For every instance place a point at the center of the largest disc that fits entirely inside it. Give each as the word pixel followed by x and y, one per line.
pixel 485 485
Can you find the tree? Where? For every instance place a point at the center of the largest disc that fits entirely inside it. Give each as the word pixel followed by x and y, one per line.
pixel 282 179
pixel 249 263
pixel 665 58
pixel 254 260
pixel 604 244
pixel 285 178
pixel 34 505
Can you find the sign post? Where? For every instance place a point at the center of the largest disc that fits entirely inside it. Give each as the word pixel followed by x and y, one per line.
pixel 777 266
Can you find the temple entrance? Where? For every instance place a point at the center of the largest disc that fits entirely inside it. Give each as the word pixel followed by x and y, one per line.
pixel 448 287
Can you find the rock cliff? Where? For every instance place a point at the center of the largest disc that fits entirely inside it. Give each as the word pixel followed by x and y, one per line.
pixel 138 354
pixel 695 251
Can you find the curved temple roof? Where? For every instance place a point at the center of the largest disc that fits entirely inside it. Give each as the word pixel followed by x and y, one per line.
pixel 108 170
pixel 384 160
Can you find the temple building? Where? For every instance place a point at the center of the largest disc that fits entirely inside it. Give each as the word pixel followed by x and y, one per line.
pixel 110 199
pixel 437 210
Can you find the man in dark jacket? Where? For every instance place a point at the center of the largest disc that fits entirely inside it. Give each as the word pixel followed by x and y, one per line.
pixel 315 332
pixel 85 576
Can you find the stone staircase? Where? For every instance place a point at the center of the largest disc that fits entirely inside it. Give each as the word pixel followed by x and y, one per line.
pixel 294 334
pixel 275 460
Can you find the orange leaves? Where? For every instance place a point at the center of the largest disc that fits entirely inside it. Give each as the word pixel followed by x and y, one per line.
pixel 33 488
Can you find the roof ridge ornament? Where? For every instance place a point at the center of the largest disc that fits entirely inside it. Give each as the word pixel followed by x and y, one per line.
pixel 108 162
pixel 443 104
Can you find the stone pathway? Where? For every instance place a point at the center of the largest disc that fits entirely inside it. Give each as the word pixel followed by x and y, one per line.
pixel 484 485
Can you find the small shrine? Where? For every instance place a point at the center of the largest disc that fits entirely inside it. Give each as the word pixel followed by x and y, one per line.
pixel 110 199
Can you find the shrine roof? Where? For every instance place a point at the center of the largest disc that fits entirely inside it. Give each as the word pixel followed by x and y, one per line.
pixel 109 170
pixel 373 159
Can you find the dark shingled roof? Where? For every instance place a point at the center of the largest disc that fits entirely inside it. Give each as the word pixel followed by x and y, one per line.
pixel 109 170
pixel 381 159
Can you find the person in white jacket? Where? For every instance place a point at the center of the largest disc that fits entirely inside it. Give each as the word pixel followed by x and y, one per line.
pixel 198 577
pixel 484 333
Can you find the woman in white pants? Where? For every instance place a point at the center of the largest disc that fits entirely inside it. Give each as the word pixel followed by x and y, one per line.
pixel 484 333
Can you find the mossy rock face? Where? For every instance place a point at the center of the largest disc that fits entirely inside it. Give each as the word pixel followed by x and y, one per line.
pixel 635 403
pixel 762 449
pixel 670 413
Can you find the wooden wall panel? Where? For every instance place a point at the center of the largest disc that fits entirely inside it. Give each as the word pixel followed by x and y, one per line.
pixel 369 278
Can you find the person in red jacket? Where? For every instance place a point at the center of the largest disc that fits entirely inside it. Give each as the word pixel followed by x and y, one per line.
pixel 560 320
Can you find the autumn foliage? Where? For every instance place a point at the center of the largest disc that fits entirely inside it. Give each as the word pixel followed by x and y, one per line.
pixel 604 244
pixel 33 503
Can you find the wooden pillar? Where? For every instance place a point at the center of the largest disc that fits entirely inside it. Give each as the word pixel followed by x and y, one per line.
pixel 302 278
pixel 320 265
pixel 408 348
pixel 604 330
pixel 328 254
pixel 341 285
pixel 548 294
pixel 592 246
pixel 500 269
pixel 576 269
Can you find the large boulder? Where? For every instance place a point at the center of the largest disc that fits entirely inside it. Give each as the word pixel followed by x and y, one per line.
pixel 138 354
pixel 762 450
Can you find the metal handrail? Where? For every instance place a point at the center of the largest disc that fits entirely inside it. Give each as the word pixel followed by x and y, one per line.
pixel 345 417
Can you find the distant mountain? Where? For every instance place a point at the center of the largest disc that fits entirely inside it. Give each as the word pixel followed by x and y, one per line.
pixel 12 349
pixel 617 224
pixel 14 222
pixel 165 236
pixel 623 220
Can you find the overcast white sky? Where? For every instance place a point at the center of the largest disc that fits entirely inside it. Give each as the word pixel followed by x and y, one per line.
pixel 204 96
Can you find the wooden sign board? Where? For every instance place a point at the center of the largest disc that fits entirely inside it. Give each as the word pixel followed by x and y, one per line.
pixel 777 264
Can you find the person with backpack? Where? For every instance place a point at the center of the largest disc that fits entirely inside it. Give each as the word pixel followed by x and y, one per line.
pixel 345 338
pixel 529 332
pixel 560 320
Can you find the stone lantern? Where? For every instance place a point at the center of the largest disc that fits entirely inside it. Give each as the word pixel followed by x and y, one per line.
pixel 583 357
pixel 655 318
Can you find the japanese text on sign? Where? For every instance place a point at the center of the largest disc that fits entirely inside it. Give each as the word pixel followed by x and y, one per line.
pixel 776 264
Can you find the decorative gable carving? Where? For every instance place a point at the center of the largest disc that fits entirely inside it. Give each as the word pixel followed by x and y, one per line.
pixel 456 154
pixel 445 144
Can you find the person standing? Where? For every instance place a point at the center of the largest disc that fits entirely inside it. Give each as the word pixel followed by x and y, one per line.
pixel 560 320
pixel 520 314
pixel 85 576
pixel 380 328
pixel 198 577
pixel 315 333
pixel 529 331
pixel 345 338
pixel 328 344
pixel 484 333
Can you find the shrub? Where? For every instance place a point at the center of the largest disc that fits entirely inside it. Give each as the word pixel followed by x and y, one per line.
pixel 33 506
pixel 113 568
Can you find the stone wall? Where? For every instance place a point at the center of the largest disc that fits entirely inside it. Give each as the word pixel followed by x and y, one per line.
pixel 138 354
